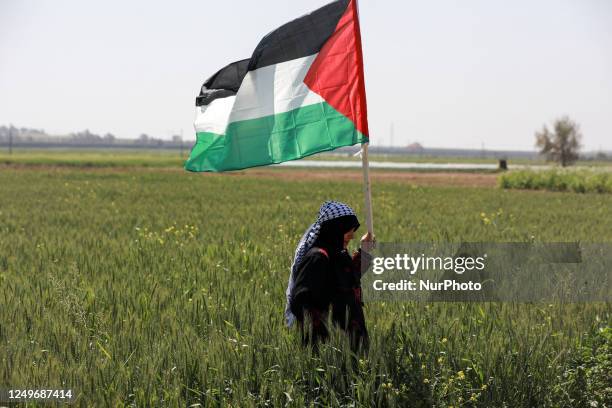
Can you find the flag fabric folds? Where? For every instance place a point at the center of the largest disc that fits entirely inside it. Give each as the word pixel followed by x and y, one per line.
pixel 301 92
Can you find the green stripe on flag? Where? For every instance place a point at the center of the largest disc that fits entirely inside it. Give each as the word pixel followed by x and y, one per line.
pixel 274 139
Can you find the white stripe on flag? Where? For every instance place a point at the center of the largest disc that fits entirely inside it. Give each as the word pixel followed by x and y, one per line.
pixel 274 89
pixel 214 117
pixel 266 91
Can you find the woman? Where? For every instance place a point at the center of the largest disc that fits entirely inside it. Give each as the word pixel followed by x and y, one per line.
pixel 323 274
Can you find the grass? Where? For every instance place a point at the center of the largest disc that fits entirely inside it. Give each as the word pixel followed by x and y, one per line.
pixel 150 288
pixel 578 181
pixel 95 158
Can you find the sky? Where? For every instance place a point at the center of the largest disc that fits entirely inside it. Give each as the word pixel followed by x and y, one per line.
pixel 469 74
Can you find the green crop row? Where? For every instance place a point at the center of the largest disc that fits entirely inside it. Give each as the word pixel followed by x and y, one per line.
pixel 578 181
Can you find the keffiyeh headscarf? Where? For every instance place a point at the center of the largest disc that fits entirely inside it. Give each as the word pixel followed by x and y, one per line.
pixel 328 211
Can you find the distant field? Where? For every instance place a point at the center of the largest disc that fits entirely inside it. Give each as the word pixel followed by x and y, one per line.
pixel 451 159
pixel 170 158
pixel 96 158
pixel 143 287
pixel 425 159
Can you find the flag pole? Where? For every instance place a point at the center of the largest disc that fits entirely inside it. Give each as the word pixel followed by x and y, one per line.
pixel 366 187
pixel 365 164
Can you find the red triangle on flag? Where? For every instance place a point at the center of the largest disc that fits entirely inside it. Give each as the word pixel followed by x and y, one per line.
pixel 336 73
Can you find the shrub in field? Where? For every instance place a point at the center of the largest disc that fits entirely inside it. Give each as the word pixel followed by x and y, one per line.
pixel 586 382
pixel 578 181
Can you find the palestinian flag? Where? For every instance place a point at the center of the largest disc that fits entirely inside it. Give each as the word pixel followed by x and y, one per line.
pixel 301 92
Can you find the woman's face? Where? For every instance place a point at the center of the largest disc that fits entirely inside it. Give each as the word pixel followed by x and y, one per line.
pixel 348 236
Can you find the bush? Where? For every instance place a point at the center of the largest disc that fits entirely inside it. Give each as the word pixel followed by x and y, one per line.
pixel 578 181
pixel 586 380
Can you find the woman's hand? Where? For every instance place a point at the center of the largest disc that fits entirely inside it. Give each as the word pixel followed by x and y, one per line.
pixel 368 241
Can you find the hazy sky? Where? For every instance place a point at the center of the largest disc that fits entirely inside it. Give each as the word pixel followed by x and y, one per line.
pixel 445 73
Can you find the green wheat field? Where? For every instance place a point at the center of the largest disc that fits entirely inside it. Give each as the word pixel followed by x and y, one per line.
pixel 157 287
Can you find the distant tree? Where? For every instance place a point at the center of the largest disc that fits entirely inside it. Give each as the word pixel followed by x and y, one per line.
pixel 601 156
pixel 86 136
pixel 109 137
pixel 561 145
pixel 144 138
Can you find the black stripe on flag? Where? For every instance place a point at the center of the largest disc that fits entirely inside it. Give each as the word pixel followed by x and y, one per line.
pixel 299 38
pixel 224 83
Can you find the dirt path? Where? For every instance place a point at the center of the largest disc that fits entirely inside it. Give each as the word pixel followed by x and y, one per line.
pixel 457 179
pixel 418 178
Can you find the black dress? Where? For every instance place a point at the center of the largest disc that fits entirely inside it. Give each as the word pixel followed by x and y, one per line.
pixel 347 303
pixel 323 280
